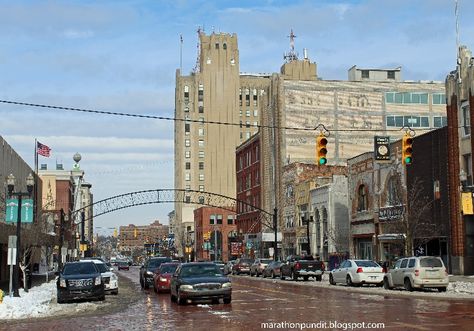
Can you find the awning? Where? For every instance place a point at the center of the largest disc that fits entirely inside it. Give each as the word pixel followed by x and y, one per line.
pixel 391 236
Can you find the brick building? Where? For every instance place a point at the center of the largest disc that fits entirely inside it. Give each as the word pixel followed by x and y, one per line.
pixel 215 230
pixel 136 236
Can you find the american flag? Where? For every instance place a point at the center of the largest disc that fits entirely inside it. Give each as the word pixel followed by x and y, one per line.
pixel 42 150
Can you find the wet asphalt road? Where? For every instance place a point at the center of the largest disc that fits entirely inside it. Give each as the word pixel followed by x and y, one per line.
pixel 257 301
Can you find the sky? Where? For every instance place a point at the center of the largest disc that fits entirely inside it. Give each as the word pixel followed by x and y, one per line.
pixel 122 56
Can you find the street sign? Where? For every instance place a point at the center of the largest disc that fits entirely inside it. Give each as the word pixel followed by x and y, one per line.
pixel 11 259
pixel 26 211
pixel 382 148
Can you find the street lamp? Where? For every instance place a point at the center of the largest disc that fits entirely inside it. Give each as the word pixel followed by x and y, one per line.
pixel 30 182
pixel 307 221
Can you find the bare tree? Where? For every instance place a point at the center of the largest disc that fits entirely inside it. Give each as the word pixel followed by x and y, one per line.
pixel 415 221
pixel 338 237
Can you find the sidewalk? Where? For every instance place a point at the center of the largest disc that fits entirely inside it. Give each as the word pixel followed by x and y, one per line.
pixel 36 280
pixel 460 278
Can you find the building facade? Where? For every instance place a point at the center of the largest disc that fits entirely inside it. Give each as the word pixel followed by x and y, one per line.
pixel 215 229
pixel 153 238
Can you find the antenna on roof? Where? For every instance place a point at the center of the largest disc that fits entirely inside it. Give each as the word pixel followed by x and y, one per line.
pixel 291 55
pixel 458 55
pixel 198 60
pixel 181 54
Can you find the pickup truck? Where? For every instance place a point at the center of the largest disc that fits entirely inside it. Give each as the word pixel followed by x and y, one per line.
pixel 302 266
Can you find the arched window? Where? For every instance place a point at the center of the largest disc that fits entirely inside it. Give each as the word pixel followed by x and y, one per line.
pixel 362 202
pixel 392 192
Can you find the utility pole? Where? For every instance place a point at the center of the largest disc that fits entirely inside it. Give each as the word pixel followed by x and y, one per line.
pixel 275 243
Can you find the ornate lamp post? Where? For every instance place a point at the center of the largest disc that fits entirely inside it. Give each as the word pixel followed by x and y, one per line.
pixel 30 182
pixel 307 221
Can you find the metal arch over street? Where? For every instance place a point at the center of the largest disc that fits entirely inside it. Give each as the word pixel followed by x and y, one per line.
pixel 147 197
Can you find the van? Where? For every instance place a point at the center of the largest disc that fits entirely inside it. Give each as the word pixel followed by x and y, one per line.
pixel 418 272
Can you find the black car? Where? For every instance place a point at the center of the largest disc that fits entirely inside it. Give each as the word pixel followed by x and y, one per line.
pixel 147 270
pixel 200 281
pixel 80 280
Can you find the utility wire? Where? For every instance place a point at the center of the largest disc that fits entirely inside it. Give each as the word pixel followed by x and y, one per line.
pixel 102 112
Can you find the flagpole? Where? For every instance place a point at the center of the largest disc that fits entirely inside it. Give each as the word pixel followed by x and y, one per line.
pixel 36 182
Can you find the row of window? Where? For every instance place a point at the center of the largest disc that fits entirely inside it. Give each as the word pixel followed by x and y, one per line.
pixel 248 113
pixel 243 207
pixel 416 121
pixel 188 165
pixel 414 98
pixel 187 176
pixel 250 157
pixel 217 219
pixel 247 182
pixel 187 154
pixel 201 188
pixel 366 74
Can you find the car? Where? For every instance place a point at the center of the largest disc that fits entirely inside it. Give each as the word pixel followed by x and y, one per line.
pixel 302 266
pixel 79 280
pixel 200 281
pixel 357 273
pixel 418 272
pixel 272 269
pixel 162 276
pixel 258 265
pixel 148 268
pixel 220 264
pixel 123 265
pixel 228 267
pixel 109 278
pixel 242 266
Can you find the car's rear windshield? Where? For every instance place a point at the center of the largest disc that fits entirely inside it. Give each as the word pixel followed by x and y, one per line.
pixel 366 264
pixel 123 263
pixel 168 269
pixel 84 268
pixel 204 270
pixel 155 263
pixel 430 262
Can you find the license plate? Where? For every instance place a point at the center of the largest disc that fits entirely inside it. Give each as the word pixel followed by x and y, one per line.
pixel 373 277
pixel 310 266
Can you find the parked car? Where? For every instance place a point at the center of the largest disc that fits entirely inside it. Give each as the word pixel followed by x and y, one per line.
pixel 162 276
pixel 272 269
pixel 302 266
pixel 148 268
pixel 417 272
pixel 108 277
pixel 199 281
pixel 123 265
pixel 356 273
pixel 242 266
pixel 80 280
pixel 258 265
pixel 228 267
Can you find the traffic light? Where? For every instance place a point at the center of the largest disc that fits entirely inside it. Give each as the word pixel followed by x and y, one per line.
pixel 321 150
pixel 407 149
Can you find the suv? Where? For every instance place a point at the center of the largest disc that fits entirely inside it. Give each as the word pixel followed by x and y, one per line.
pixel 417 272
pixel 147 270
pixel 108 277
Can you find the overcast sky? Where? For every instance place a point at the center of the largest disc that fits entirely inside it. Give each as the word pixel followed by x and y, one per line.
pixel 122 56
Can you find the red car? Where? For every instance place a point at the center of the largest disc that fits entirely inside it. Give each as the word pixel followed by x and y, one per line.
pixel 123 265
pixel 162 276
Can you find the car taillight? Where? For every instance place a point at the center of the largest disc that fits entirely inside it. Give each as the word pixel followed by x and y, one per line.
pixel 417 273
pixel 297 266
pixel 323 267
pixel 359 270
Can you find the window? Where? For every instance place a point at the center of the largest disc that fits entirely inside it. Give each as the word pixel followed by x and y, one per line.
pixel 390 74
pixel 201 132
pixel 217 45
pixel 188 165
pixel 255 112
pixel 411 121
pixel 186 109
pixel 254 97
pixel 406 97
pixel 255 124
pixel 201 120
pixel 212 219
pixel 362 199
pixel 440 121
pixel 404 263
pixel 201 176
pixel 365 73
pixel 247 113
pixel 201 165
pixel 187 128
pixel 201 188
pixel 187 143
pixel 187 176
pixel 466 119
pixel 187 154
pixel 247 135
pixel 240 97
pixel 224 46
pixel 188 187
pixel 240 113
pixel 439 99
pixel 186 94
pixel 201 199
pixel 230 219
pixel 201 109
pixel 219 219
pixel 411 263
pixel 201 154
pixel 247 97
pixel 201 143
pixel 188 199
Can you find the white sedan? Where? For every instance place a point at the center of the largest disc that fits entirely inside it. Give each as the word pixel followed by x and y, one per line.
pixel 356 273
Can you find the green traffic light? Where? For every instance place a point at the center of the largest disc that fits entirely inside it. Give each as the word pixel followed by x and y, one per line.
pixel 408 160
pixel 323 160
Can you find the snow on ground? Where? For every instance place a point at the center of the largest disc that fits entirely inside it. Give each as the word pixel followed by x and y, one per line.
pixel 39 301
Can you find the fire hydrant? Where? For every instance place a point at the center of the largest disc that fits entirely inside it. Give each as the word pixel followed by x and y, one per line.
pixel 1 296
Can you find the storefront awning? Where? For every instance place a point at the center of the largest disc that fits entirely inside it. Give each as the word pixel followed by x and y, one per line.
pixel 391 236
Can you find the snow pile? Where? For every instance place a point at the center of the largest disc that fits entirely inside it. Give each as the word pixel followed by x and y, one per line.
pixel 40 301
pixel 461 287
